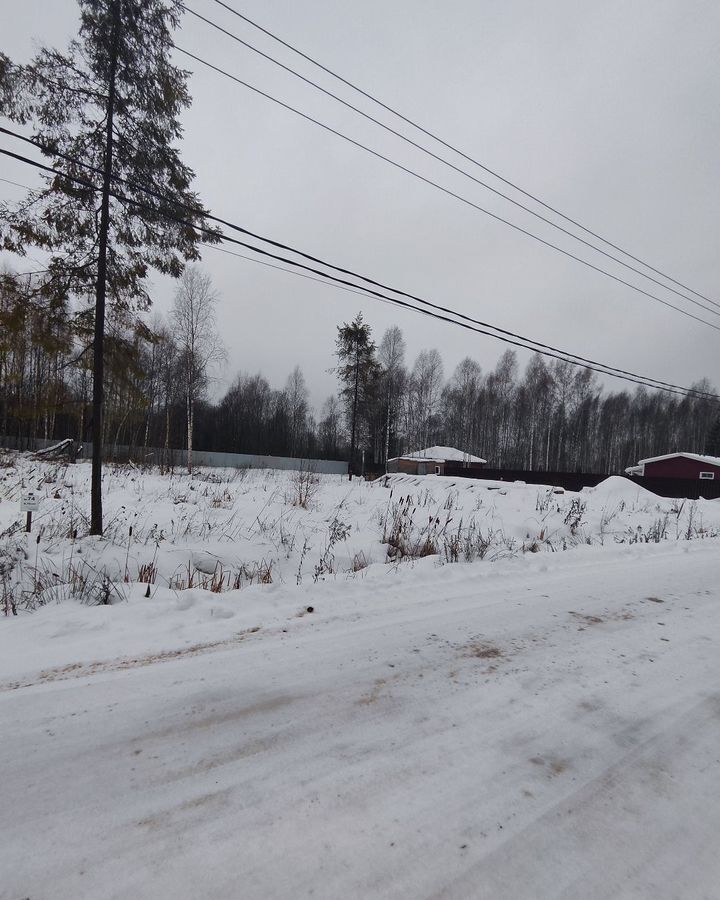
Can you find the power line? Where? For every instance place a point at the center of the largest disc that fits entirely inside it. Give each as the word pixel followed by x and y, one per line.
pixel 455 149
pixel 317 260
pixel 359 291
pixel 300 253
pixel 17 184
pixel 450 193
pixel 451 165
pixel 573 359
pixel 466 322
pixel 578 360
pixel 521 342
pixel 512 338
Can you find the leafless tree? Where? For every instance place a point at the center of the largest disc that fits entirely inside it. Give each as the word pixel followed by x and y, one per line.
pixel 330 427
pixel 460 402
pixel 297 396
pixel 424 396
pixel 391 356
pixel 199 344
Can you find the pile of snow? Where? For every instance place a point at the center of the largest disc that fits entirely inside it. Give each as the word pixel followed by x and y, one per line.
pixel 618 489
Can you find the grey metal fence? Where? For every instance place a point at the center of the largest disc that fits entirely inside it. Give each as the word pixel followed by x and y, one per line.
pixel 200 457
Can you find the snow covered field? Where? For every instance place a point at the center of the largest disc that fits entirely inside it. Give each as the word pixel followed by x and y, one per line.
pixel 351 712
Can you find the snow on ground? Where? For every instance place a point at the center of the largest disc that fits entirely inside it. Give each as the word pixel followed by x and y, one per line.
pixel 543 721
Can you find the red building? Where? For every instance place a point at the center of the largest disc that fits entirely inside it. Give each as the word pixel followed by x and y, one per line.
pixel 679 465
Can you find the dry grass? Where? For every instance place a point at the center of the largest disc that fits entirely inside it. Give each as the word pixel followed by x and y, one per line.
pixel 482 650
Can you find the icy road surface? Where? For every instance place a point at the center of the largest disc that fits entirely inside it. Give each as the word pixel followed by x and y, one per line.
pixel 552 732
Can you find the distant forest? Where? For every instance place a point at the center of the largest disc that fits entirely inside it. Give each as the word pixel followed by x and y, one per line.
pixel 549 416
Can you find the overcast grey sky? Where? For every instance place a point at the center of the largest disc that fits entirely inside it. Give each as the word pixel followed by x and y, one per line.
pixel 608 111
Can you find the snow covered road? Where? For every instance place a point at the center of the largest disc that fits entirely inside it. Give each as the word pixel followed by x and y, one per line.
pixel 528 730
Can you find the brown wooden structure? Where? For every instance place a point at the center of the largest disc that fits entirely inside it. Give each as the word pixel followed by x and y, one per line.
pixel 434 461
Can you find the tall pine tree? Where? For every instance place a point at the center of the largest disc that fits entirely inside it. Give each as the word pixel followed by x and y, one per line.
pixel 106 112
pixel 358 371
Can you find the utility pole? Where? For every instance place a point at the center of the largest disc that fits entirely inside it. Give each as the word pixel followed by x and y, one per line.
pixel 96 511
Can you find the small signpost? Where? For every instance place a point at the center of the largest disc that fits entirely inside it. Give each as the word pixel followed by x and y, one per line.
pixel 29 503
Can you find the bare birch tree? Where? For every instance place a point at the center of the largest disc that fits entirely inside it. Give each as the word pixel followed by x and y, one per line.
pixel 425 391
pixel 297 395
pixel 199 344
pixel 391 356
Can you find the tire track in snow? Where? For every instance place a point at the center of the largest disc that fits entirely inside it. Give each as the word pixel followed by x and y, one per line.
pixel 82 670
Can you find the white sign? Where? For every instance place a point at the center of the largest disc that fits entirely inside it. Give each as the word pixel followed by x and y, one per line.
pixel 29 501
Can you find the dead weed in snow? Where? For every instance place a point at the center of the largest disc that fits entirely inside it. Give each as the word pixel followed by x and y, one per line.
pixel 374 695
pixel 554 765
pixel 482 650
pixel 623 615
pixel 588 620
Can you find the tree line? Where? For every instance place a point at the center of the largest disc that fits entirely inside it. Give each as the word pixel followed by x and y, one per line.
pixel 551 416
pixel 158 373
